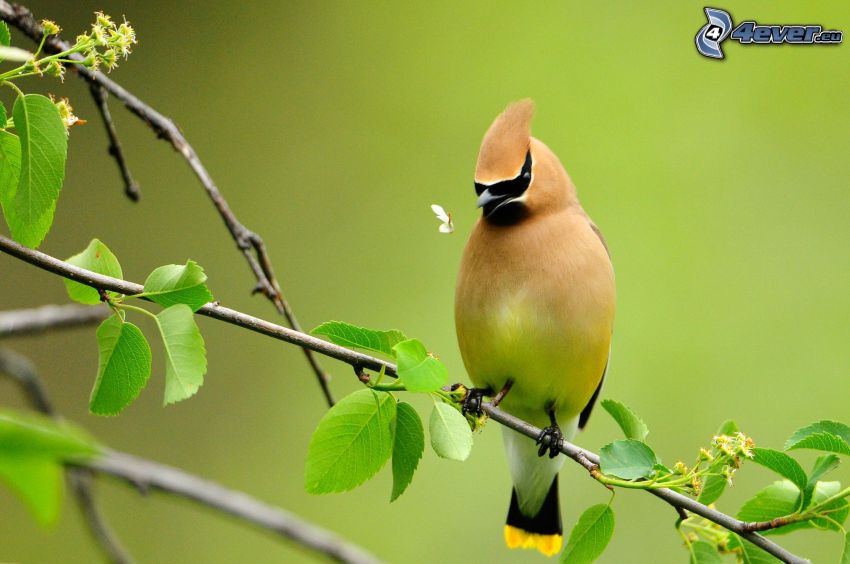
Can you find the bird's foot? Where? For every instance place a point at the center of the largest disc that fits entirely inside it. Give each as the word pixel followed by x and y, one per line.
pixel 471 403
pixel 550 439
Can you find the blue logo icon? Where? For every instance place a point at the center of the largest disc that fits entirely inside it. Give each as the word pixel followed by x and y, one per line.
pixel 713 33
pixel 720 27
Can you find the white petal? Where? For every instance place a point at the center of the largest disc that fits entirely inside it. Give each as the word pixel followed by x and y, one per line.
pixel 440 212
pixel 447 228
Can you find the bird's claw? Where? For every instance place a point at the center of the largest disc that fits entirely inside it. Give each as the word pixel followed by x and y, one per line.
pixel 471 403
pixel 550 439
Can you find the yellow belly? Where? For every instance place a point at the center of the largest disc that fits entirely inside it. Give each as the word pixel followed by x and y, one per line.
pixel 545 326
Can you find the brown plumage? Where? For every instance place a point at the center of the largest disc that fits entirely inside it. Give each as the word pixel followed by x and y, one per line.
pixel 534 305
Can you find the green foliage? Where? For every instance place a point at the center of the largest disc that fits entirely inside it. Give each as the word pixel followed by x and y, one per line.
pixel 632 425
pixel 751 554
pixel 451 436
pixel 782 498
pixel 348 335
pixel 10 169
pixel 704 553
pixel 782 464
pixel 124 366
pixel 417 369
pixel 44 146
pixel 32 448
pixel 829 436
pixel 185 354
pixel 715 483
pixel 408 446
pixel 98 258
pixel 590 535
pixel 178 284
pixel 351 443
pixel 5 36
pixel 823 465
pixel 629 459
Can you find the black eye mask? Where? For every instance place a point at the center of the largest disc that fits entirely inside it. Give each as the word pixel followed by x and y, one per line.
pixel 513 187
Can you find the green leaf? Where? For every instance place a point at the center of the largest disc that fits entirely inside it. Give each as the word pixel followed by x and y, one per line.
pixel 728 427
pixel 845 555
pixel 185 354
pixel 178 284
pixel 10 169
pixel 782 464
pixel 590 535
pixel 5 36
pixel 783 498
pixel 98 258
pixel 450 434
pixel 32 448
pixel 124 366
pixel 353 441
pixel 829 436
pixel 37 482
pixel 418 370
pixel 44 147
pixel 632 425
pixel 751 554
pixel 704 553
pixel 35 435
pixel 4 118
pixel 628 459
pixel 712 489
pixel 349 335
pixel 823 465
pixel 408 447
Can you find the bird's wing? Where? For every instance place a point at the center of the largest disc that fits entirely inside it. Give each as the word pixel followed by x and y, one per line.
pixel 588 409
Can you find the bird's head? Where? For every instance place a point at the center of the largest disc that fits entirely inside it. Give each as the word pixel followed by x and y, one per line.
pixel 517 176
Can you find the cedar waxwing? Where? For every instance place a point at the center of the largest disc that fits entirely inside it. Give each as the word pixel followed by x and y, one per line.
pixel 534 310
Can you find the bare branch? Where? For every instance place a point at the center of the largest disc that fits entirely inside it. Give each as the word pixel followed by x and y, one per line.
pixel 249 243
pixel 14 323
pixel 146 475
pixel 131 188
pixel 585 458
pixel 23 372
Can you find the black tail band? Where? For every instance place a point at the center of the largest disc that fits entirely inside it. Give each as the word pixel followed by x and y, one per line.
pixel 548 519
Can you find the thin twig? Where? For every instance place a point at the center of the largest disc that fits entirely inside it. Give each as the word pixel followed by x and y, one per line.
pixel 587 459
pixel 22 371
pixel 249 243
pixel 146 475
pixel 14 323
pixel 131 188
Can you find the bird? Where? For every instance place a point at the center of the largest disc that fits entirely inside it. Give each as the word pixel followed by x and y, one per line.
pixel 534 313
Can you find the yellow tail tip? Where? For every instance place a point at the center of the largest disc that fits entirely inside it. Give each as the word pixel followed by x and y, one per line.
pixel 549 545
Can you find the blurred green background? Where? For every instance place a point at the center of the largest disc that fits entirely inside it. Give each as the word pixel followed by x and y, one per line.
pixel 722 188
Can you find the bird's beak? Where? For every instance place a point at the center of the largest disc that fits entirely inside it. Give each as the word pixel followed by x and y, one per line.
pixel 486 198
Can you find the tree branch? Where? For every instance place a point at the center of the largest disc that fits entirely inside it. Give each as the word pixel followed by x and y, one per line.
pixel 146 475
pixel 585 458
pixel 249 243
pixel 99 94
pixel 22 371
pixel 18 322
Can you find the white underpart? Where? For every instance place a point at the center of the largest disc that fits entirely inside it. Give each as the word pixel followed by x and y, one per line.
pixel 532 474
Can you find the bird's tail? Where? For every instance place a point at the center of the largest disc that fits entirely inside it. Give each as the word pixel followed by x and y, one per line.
pixel 542 531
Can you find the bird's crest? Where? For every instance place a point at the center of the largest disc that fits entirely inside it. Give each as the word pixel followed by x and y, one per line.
pixel 505 144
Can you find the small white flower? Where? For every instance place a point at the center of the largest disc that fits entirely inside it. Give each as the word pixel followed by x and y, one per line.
pixel 445 217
